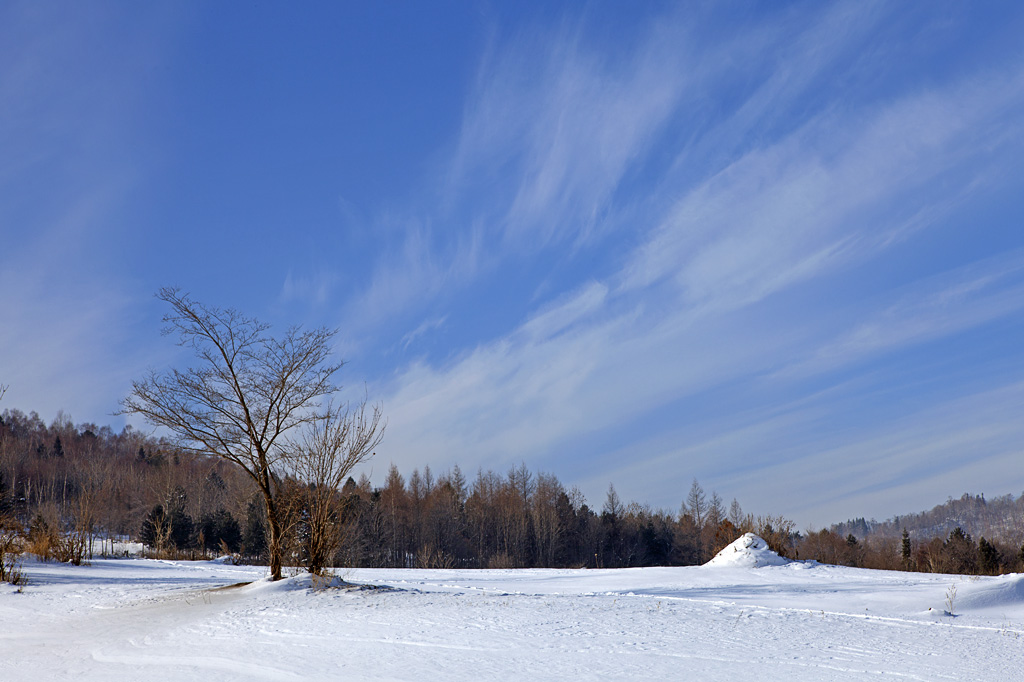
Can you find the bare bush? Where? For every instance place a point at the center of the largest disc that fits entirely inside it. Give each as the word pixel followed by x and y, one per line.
pixel 48 542
pixel 501 560
pixel 43 536
pixel 432 557
pixel 777 531
pixel 11 547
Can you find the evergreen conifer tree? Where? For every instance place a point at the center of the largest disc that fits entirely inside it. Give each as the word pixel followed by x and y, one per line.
pixel 218 527
pixel 179 522
pixel 254 538
pixel 988 556
pixel 6 501
pixel 151 532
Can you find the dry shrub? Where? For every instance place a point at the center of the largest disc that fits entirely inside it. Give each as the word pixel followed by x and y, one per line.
pixel 226 551
pixel 168 553
pixel 11 546
pixel 47 542
pixel 725 534
pixel 43 537
pixel 777 531
pixel 71 548
pixel 501 560
pixel 431 557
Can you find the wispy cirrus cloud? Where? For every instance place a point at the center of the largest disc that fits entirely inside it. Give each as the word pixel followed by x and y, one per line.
pixel 425 328
pixel 555 124
pixel 830 192
pixel 895 466
pixel 820 459
pixel 414 270
pixel 937 307
pixel 727 244
pixel 550 129
pixel 312 288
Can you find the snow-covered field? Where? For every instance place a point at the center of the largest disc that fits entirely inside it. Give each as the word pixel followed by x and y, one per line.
pixel 134 619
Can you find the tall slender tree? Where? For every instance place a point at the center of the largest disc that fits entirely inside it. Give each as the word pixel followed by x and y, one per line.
pixel 696 503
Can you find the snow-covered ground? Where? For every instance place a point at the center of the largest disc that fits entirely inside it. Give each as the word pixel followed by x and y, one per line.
pixel 135 619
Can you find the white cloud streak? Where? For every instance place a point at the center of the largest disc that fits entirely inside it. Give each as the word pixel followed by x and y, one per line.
pixel 693 307
pixel 817 198
pixel 425 328
pixel 312 289
pixel 940 306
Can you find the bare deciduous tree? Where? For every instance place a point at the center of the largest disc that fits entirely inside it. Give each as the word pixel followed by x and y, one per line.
pixel 247 392
pixel 696 504
pixel 322 457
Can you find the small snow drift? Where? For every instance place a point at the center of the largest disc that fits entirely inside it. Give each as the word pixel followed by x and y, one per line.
pixel 749 551
pixel 1001 592
pixel 302 581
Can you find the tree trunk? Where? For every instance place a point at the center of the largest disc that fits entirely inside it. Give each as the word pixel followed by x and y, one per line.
pixel 275 535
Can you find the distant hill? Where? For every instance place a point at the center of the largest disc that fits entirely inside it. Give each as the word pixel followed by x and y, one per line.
pixel 1000 518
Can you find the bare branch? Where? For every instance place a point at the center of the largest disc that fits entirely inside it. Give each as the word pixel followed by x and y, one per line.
pixel 334 444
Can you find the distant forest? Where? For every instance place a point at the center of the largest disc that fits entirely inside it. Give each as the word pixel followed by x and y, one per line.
pixel 67 488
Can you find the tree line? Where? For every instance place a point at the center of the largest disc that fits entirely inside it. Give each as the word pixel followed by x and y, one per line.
pixel 91 481
pixel 941 539
pixel 522 519
pixel 82 479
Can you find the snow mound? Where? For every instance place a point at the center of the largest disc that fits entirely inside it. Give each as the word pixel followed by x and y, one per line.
pixel 1001 592
pixel 749 551
pixel 303 581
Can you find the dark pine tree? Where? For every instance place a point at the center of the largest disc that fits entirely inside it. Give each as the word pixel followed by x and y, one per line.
pixel 152 527
pixel 960 552
pixel 254 537
pixel 905 549
pixel 218 527
pixel 988 557
pixel 6 499
pixel 180 523
pixel 229 531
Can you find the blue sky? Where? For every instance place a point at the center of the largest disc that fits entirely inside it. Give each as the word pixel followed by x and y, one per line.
pixel 778 248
